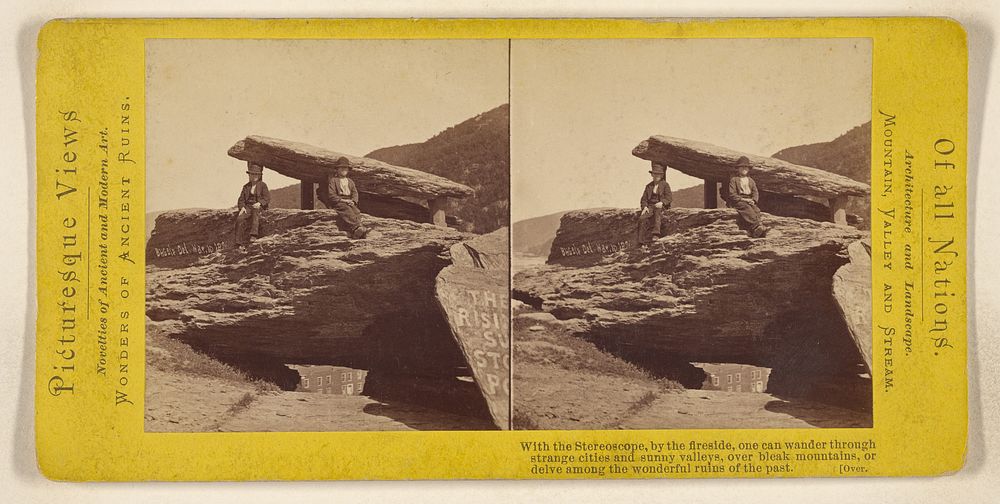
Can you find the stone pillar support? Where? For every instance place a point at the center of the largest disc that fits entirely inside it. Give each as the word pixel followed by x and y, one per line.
pixel 838 208
pixel 711 194
pixel 436 207
pixel 306 201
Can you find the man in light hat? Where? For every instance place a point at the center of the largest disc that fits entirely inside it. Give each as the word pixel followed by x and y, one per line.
pixel 342 196
pixel 254 199
pixel 656 198
pixel 742 195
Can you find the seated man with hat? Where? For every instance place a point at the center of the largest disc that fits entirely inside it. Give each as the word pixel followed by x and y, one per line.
pixel 254 199
pixel 742 195
pixel 342 196
pixel 656 198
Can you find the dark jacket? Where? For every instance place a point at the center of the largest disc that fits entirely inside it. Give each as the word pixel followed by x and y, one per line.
pixel 733 191
pixel 334 191
pixel 262 196
pixel 650 197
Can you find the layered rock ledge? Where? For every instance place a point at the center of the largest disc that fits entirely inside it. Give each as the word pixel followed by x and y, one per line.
pixel 852 288
pixel 711 162
pixel 704 293
pixel 474 295
pixel 304 293
pixel 315 164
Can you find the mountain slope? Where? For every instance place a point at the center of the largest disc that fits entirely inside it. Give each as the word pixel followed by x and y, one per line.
pixel 534 236
pixel 286 197
pixel 475 152
pixel 848 155
pixel 689 197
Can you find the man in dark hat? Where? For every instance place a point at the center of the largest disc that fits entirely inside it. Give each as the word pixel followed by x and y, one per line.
pixel 342 196
pixel 656 198
pixel 254 199
pixel 742 195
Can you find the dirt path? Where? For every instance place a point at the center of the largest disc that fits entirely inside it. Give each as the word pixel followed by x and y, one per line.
pixel 562 382
pixel 711 409
pixel 548 397
pixel 189 392
pixel 310 412
pixel 179 402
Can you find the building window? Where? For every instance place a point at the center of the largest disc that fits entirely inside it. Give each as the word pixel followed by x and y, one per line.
pixel 350 389
pixel 760 386
pixel 319 381
pixel 738 375
pixel 358 375
pixel 305 383
pixel 729 379
pixel 329 379
pixel 739 388
pixel 715 380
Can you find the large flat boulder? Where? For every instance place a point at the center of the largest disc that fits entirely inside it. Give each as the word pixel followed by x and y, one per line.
pixel 315 164
pixel 305 293
pixel 711 162
pixel 474 295
pixel 704 293
pixel 852 288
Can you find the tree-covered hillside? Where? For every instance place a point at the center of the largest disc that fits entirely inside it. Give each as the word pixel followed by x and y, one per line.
pixel 475 152
pixel 848 155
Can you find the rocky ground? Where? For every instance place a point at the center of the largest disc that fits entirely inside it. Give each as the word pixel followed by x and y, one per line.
pixel 714 409
pixel 187 391
pixel 562 382
pixel 306 293
pixel 706 292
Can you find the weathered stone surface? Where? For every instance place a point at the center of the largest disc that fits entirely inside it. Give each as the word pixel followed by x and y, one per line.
pixel 793 206
pixel 704 293
pixel 304 293
pixel 396 208
pixel 474 296
pixel 711 162
pixel 852 288
pixel 584 234
pixel 315 164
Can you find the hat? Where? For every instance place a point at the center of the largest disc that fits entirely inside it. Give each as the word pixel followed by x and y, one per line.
pixel 658 169
pixel 343 162
pixel 743 161
pixel 254 168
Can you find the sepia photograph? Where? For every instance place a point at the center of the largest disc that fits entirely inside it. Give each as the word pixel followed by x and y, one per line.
pixel 691 233
pixel 327 235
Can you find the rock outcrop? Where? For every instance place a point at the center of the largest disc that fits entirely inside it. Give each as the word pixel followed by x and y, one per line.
pixel 314 164
pixel 852 288
pixel 802 208
pixel 304 293
pixel 704 293
pixel 711 162
pixel 474 294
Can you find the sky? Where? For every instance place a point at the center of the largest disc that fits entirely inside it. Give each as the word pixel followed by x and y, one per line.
pixel 203 96
pixel 579 107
